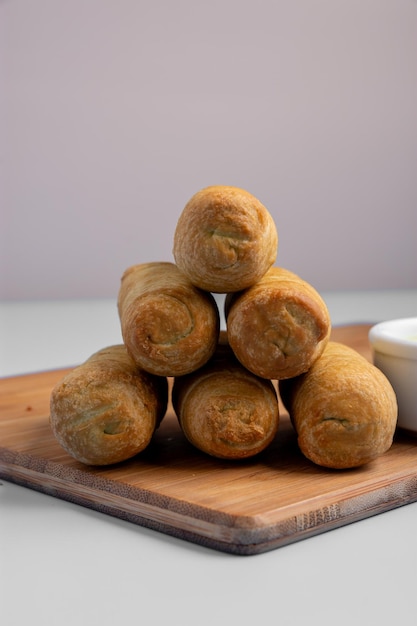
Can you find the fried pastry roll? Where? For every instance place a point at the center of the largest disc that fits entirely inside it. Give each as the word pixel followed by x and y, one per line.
pixel 224 410
pixel 225 239
pixel 278 327
pixel 106 410
pixel 343 409
pixel 169 327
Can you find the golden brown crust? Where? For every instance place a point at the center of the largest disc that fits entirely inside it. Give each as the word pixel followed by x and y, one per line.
pixel 169 327
pixel 344 409
pixel 278 327
pixel 106 410
pixel 224 410
pixel 225 239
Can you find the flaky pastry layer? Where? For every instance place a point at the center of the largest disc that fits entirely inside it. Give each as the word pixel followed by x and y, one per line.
pixel 106 410
pixel 344 409
pixel 224 410
pixel 169 326
pixel 278 327
pixel 225 239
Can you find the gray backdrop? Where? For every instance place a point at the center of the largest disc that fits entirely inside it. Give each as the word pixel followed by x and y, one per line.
pixel 113 113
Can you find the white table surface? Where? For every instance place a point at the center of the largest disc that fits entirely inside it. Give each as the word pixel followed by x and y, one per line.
pixel 64 564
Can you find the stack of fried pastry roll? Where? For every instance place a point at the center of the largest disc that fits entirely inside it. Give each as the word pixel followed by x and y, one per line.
pixel 279 326
pixel 106 410
pixel 277 329
pixel 225 239
pixel 343 409
pixel 169 327
pixel 224 410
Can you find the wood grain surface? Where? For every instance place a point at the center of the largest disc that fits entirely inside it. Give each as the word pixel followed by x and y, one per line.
pixel 244 507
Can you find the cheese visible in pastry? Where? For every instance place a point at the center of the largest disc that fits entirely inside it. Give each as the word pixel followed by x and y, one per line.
pixel 169 327
pixel 224 410
pixel 225 239
pixel 278 327
pixel 106 410
pixel 344 409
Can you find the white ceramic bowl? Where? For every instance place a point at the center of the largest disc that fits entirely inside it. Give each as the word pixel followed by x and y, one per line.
pixel 394 348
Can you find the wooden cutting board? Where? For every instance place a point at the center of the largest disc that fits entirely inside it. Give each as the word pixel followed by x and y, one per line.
pixel 243 507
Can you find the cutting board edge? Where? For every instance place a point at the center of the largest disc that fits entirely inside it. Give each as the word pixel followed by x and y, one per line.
pixel 241 535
